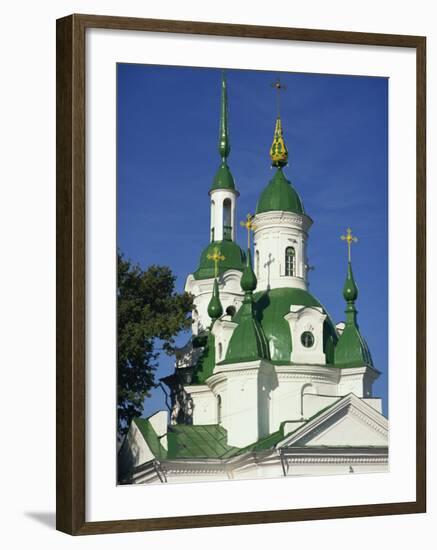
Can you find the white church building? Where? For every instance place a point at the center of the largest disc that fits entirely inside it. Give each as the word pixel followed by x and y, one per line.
pixel 267 385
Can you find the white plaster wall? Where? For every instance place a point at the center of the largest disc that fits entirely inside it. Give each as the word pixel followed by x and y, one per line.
pixel 294 382
pixel 222 330
pixel 349 428
pixel 246 399
pixel 357 380
pixel 135 450
pixel 204 404
pixel 375 403
pixel 159 422
pixel 230 295
pixel 312 404
pixel 241 416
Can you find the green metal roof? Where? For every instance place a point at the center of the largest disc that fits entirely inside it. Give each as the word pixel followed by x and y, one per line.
pixel 209 441
pixel 200 441
pixel 206 362
pixel 223 178
pixel 279 195
pixel 234 259
pixel 152 440
pixel 352 350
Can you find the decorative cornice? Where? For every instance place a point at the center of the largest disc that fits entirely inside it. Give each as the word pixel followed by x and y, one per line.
pixel 370 422
pixel 337 460
pixel 338 410
pixel 303 372
pixel 197 388
pixel 280 218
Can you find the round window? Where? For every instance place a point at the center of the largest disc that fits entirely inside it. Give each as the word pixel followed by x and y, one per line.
pixel 307 339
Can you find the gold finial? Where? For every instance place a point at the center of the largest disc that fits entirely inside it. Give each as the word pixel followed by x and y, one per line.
pixel 216 257
pixel 250 226
pixel 349 238
pixel 278 150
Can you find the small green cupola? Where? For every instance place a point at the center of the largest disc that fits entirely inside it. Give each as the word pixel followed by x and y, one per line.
pixel 351 349
pixel 223 178
pixel 215 308
pixel 248 341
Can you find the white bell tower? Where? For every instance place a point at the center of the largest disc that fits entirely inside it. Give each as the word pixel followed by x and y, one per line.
pixel 223 193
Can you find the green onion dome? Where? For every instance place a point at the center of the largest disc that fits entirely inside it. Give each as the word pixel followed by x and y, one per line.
pixel 350 289
pixel 279 195
pixel 248 280
pixel 234 259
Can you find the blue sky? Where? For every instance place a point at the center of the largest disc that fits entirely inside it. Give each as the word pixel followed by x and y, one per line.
pixel 336 130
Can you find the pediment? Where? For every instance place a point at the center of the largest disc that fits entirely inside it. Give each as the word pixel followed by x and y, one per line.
pixel 348 422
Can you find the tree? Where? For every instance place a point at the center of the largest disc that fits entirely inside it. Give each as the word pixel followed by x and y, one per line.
pixel 149 316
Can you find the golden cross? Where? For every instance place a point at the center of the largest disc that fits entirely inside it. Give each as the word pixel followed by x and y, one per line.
pixel 250 226
pixel 216 257
pixel 278 87
pixel 349 238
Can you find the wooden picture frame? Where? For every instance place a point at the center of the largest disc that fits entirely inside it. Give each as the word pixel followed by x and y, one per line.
pixel 71 283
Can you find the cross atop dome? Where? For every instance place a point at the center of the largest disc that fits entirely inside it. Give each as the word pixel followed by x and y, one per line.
pixel 349 238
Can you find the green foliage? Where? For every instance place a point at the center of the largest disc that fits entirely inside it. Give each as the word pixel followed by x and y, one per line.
pixel 150 314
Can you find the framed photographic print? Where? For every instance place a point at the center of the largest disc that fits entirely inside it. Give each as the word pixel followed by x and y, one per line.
pixel 240 274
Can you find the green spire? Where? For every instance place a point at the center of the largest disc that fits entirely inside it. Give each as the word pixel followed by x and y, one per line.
pixel 351 348
pixel 248 341
pixel 215 308
pixel 224 145
pixel 223 178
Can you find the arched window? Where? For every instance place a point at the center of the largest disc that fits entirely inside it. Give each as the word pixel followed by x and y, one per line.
pixel 257 263
pixel 290 262
pixel 220 350
pixel 219 409
pixel 212 219
pixel 227 222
